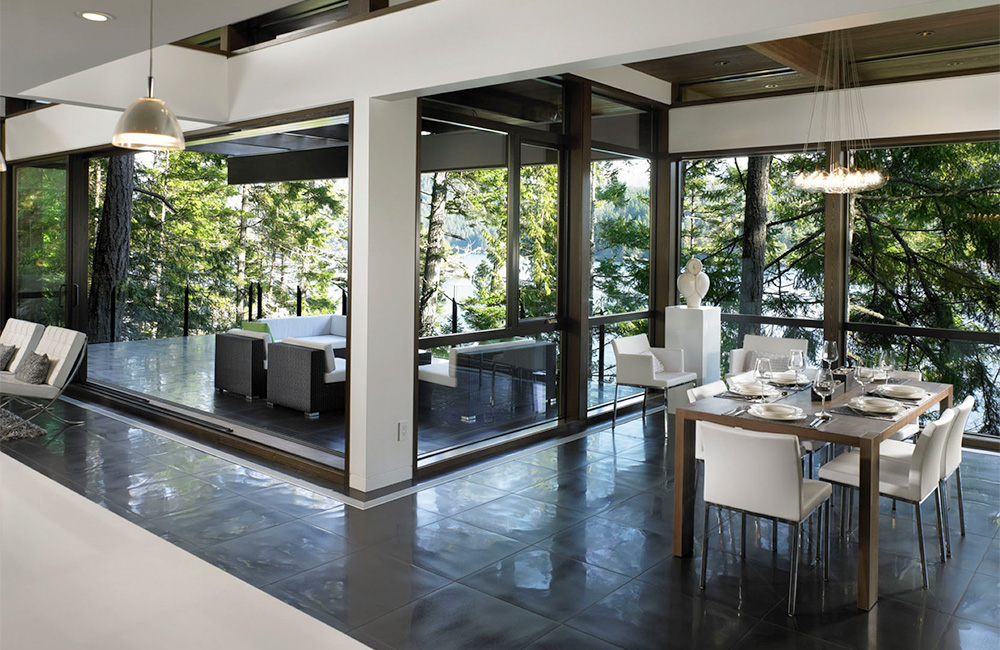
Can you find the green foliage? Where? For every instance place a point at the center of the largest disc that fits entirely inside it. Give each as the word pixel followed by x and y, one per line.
pixel 40 205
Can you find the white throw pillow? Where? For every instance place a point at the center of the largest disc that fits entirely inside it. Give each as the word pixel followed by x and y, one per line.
pixel 779 362
pixel 657 365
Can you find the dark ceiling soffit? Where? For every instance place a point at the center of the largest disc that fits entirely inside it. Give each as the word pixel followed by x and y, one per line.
pixel 312 164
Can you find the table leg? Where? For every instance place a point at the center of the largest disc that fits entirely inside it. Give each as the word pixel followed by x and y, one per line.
pixel 684 486
pixel 868 526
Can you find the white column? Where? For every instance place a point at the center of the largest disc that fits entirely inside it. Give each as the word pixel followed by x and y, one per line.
pixel 383 292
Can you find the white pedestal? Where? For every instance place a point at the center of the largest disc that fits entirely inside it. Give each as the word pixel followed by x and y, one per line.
pixel 697 331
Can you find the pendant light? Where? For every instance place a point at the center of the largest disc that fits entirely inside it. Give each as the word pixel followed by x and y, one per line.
pixel 149 124
pixel 841 121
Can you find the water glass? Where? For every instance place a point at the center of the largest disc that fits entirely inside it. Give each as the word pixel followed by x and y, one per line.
pixel 797 362
pixel 885 365
pixel 824 386
pixel 864 375
pixel 830 353
pixel 762 373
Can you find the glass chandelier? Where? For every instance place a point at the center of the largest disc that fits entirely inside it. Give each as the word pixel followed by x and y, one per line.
pixel 841 121
pixel 149 124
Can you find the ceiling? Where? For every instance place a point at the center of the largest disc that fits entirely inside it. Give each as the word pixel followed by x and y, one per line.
pixel 961 42
pixel 44 40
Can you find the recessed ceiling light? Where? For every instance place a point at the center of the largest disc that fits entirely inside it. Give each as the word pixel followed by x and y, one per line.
pixel 95 16
pixel 954 63
pixel 722 63
pixel 770 85
pixel 926 32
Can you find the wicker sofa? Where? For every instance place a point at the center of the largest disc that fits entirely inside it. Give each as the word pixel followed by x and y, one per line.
pixel 305 375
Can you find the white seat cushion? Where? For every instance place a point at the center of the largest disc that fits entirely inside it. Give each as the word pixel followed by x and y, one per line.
pixel 438 371
pixel 335 341
pixel 263 336
pixel 671 379
pixel 330 364
pixel 339 373
pixel 894 475
pixel 11 385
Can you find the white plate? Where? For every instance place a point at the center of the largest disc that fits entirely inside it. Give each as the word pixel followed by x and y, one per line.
pixel 777 412
pixel 903 391
pixel 874 405
pixel 787 378
pixel 753 389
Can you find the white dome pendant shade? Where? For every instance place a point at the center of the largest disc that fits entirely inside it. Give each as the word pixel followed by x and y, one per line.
pixel 149 124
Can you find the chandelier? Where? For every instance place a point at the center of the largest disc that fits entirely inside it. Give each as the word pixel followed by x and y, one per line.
pixel 839 117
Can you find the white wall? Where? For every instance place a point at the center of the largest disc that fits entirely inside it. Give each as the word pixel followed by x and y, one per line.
pixel 951 105
pixel 383 291
pixel 56 129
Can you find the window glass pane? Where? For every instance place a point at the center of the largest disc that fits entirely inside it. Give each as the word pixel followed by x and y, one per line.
pixel 539 231
pixel 463 232
pixel 616 123
pixel 925 248
pixel 601 383
pixel 474 392
pixel 620 234
pixel 764 255
pixel 40 207
pixel 732 338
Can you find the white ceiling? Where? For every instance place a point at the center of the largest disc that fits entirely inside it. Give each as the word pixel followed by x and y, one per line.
pixel 44 40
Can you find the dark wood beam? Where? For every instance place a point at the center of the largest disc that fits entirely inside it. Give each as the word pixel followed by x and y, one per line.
pixel 797 54
pixel 503 103
pixel 362 7
pixel 231 39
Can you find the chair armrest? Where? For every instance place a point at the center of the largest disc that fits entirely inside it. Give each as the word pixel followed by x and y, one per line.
pixel 671 358
pixel 737 358
pixel 634 369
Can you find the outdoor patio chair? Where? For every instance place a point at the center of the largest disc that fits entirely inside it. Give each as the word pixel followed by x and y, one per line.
pixel 64 348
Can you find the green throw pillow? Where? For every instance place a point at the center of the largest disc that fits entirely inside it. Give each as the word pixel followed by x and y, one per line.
pixel 257 327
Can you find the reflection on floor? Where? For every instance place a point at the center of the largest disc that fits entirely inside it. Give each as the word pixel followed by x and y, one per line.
pixel 559 547
pixel 182 370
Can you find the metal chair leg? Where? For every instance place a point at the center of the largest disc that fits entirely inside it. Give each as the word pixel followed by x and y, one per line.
pixel 704 549
pixel 850 511
pixel 614 410
pixel 793 580
pixel 645 394
pixel 937 503
pixel 943 492
pixel 826 543
pixel 843 507
pixel 961 501
pixel 743 535
pixel 920 544
pixel 774 535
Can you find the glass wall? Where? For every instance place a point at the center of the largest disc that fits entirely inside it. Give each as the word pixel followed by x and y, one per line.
pixel 925 260
pixel 40 214
pixel 760 241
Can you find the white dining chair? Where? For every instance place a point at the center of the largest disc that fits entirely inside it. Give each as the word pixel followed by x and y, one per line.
pixel 912 480
pixel 637 364
pixel 910 430
pixel 758 473
pixel 701 392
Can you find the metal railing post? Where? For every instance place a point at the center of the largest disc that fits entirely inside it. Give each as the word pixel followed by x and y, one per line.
pixel 250 301
pixel 187 308
pixel 600 354
pixel 260 300
pixel 298 300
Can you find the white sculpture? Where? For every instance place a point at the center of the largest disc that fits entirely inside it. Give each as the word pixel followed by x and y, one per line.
pixel 693 283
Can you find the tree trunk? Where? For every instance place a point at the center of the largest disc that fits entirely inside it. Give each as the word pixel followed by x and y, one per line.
pixel 754 241
pixel 111 249
pixel 433 256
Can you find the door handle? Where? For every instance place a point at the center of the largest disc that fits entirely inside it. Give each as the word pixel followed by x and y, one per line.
pixel 76 295
pixel 62 293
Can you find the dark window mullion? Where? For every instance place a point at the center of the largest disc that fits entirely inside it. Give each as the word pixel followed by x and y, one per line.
pixel 513 229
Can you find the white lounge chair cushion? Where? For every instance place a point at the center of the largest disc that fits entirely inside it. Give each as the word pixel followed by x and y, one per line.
pixel 63 347
pixel 339 373
pixel 23 335
pixel 438 371
pixel 670 379
pixel 11 385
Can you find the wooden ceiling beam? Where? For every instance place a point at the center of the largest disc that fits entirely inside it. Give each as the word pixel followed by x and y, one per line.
pixel 797 54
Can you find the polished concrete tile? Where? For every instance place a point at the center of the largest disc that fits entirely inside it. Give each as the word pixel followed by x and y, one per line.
pixel 546 583
pixel 962 634
pixel 562 458
pixel 239 479
pixel 564 637
pixel 375 525
pixel 765 636
pixel 524 519
pixel 616 547
pixel 512 476
pixel 293 500
pixel 451 548
pixel 458 618
pixel 219 521
pixel 453 497
pixel 981 602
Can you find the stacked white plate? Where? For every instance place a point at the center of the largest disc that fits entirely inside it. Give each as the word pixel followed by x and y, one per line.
pixel 788 378
pixel 902 391
pixel 874 405
pixel 753 389
pixel 777 412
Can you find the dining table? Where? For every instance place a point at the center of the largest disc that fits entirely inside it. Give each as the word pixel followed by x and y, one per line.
pixel 846 427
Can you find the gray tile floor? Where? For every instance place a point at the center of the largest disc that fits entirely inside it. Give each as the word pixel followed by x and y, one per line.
pixel 565 547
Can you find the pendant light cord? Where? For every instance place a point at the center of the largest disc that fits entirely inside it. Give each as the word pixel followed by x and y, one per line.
pixel 150 48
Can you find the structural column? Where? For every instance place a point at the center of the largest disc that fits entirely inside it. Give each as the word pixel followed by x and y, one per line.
pixel 382 295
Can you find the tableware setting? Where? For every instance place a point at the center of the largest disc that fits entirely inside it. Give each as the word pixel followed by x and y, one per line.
pixel 902 391
pixel 875 405
pixel 753 389
pixel 788 378
pixel 785 412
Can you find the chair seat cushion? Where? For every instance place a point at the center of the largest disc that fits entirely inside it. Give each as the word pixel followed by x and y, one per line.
pixel 671 379
pixel 11 385
pixel 34 369
pixel 311 342
pixel 894 475
pixel 334 341
pixel 438 371
pixel 338 374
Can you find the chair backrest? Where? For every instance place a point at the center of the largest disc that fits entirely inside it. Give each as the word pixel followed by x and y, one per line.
pixel 752 471
pixel 925 465
pixel 630 344
pixel 64 348
pixel 708 390
pixel 912 375
pixel 22 334
pixel 953 449
pixel 774 345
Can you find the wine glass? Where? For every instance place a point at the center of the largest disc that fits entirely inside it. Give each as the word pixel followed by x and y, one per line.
pixel 830 353
pixel 823 386
pixel 885 365
pixel 797 362
pixel 762 373
pixel 864 376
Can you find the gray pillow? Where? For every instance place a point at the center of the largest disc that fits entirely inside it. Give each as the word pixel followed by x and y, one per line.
pixel 7 353
pixel 779 362
pixel 34 368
